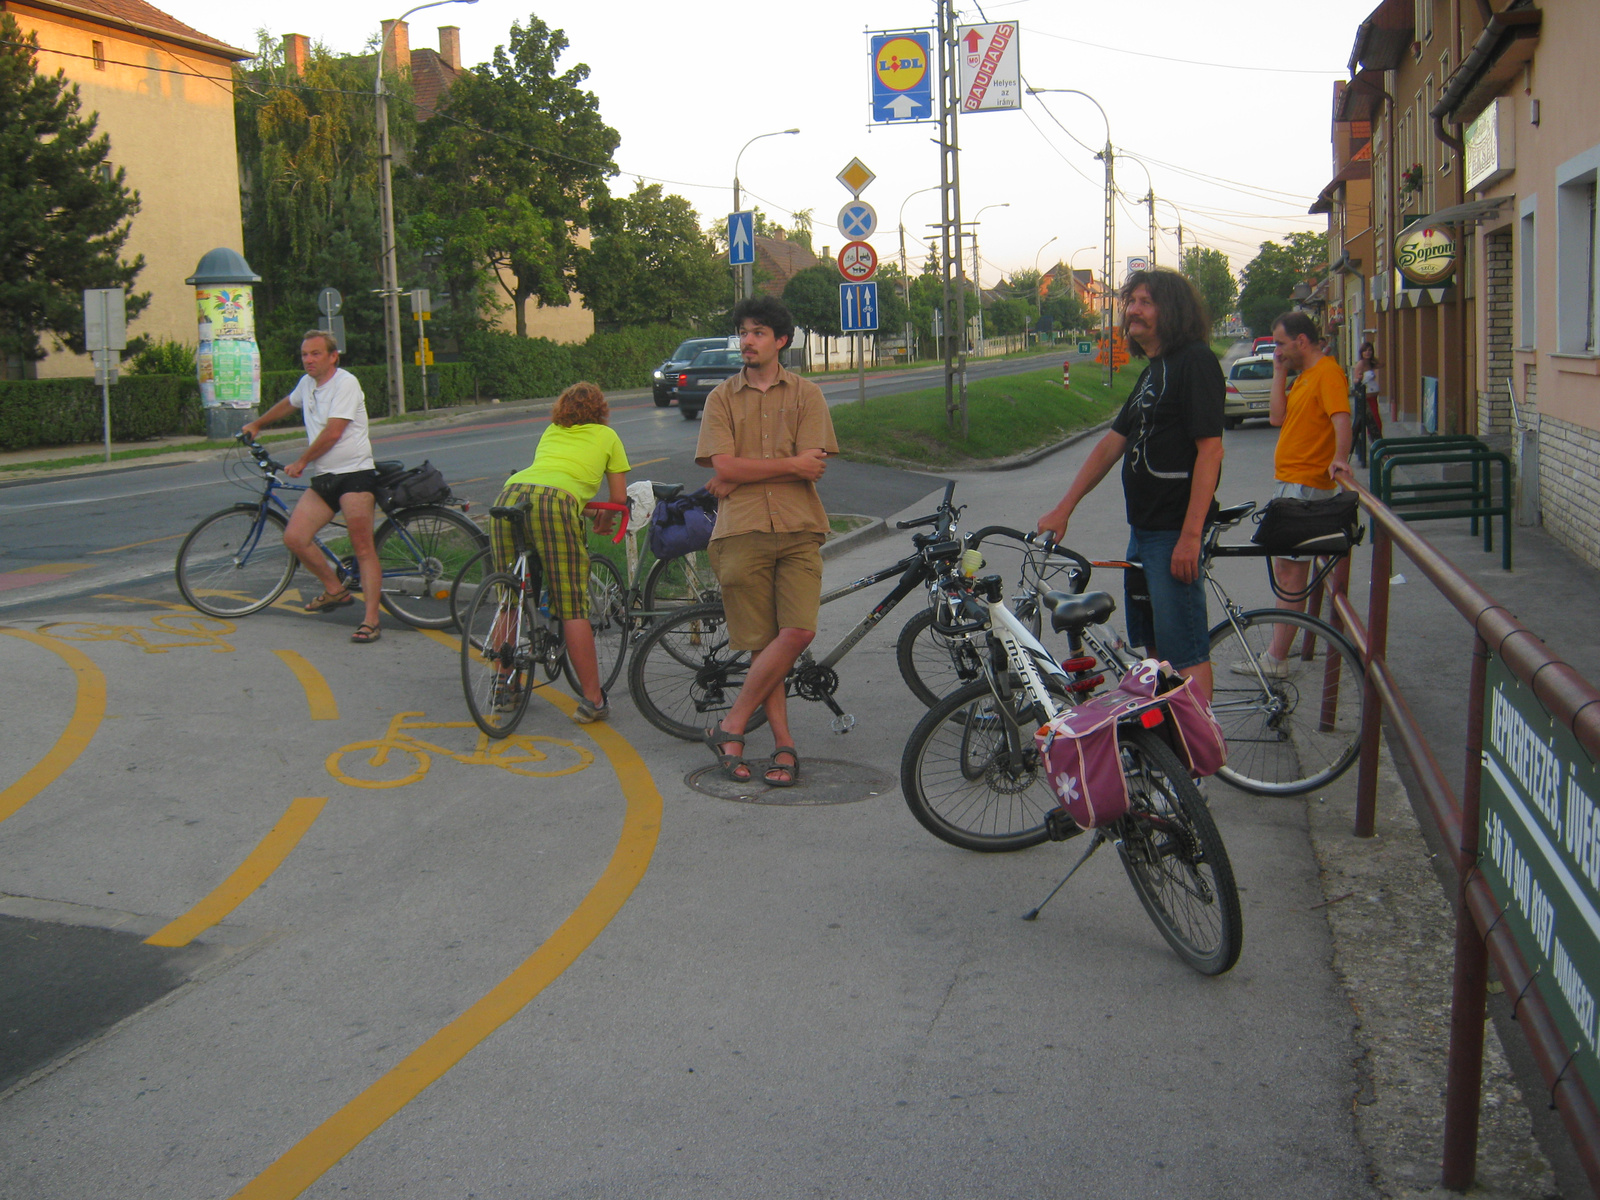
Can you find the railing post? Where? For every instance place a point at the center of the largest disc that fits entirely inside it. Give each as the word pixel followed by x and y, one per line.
pixel 1464 1067
pixel 1372 707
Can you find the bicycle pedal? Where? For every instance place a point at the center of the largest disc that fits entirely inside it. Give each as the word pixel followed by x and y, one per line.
pixel 844 723
pixel 1059 826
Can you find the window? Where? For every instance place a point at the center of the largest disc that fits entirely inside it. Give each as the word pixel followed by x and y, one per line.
pixel 104 172
pixel 1423 23
pixel 1527 276
pixel 1575 253
pixel 98 52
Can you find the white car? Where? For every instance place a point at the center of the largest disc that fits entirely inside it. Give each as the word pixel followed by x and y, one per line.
pixel 1249 390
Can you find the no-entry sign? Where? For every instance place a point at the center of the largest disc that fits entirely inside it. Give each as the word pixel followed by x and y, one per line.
pixel 858 262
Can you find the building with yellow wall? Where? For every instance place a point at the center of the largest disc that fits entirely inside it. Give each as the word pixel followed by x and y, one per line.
pixel 164 95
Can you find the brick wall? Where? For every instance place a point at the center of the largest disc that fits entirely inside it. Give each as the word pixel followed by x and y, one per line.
pixel 1494 408
pixel 1569 485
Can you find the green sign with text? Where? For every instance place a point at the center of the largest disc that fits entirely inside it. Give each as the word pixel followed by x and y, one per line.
pixel 1539 842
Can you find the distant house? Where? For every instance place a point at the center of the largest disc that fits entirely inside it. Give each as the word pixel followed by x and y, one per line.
pixel 162 91
pixel 778 261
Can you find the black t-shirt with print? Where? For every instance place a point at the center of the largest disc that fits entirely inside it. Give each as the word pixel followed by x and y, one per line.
pixel 1177 399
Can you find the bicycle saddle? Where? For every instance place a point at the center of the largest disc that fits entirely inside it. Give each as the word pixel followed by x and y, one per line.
pixel 1234 513
pixel 1073 614
pixel 389 468
pixel 667 491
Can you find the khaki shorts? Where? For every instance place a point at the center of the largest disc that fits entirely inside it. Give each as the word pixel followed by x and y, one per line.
pixel 770 581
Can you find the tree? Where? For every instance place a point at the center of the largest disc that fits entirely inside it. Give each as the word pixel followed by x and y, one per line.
pixel 64 217
pixel 1007 317
pixel 1268 282
pixel 1208 270
pixel 308 154
pixel 649 262
pixel 508 168
pixel 1064 307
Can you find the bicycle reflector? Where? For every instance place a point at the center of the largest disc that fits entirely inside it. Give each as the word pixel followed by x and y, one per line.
pixel 1150 718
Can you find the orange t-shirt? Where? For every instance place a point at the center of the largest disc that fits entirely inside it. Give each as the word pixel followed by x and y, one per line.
pixel 1306 443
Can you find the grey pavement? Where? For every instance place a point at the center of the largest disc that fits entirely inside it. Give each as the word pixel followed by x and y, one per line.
pixel 813 999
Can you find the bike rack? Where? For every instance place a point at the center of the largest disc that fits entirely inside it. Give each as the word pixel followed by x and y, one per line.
pixel 1481 936
pixel 1475 492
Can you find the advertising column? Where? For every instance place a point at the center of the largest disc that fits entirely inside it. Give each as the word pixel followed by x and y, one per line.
pixel 228 360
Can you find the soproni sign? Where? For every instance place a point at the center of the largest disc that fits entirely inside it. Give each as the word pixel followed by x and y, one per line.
pixel 1540 842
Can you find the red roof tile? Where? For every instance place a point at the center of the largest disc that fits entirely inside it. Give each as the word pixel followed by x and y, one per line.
pixel 146 18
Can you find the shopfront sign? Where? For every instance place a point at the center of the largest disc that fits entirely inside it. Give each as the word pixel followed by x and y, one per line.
pixel 1490 145
pixel 1425 254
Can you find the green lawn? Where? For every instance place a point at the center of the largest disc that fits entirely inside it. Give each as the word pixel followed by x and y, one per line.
pixel 1006 417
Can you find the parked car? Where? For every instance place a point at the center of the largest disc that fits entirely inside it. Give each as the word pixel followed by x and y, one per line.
pixel 1263 345
pixel 1249 390
pixel 662 378
pixel 697 381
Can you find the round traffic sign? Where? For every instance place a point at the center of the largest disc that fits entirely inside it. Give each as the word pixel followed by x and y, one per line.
pixel 857 220
pixel 858 262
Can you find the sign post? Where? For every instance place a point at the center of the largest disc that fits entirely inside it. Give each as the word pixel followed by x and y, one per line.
pixel 421 312
pixel 105 332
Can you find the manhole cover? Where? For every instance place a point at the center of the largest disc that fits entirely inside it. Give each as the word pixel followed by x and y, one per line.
pixel 822 781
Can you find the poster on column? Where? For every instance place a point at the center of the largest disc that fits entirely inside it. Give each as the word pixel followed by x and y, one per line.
pixel 228 359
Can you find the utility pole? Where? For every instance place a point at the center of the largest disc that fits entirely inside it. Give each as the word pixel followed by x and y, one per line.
pixel 392 353
pixel 1110 236
pixel 954 301
pixel 1150 199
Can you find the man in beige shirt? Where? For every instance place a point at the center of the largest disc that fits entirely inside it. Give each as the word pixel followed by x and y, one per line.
pixel 767 433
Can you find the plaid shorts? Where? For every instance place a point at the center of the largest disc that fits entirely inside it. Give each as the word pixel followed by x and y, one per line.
pixel 555 532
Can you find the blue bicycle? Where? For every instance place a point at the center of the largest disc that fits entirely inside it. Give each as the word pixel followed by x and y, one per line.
pixel 234 562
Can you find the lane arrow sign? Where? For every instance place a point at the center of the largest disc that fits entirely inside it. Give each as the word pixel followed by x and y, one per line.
pixel 903 108
pixel 741 240
pixel 973 41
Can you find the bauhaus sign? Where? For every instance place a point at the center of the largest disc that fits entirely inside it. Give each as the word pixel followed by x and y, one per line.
pixel 1425 254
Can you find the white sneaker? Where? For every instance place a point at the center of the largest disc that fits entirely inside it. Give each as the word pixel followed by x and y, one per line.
pixel 1271 668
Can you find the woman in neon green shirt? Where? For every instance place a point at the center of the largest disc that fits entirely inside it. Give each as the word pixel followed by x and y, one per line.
pixel 577 450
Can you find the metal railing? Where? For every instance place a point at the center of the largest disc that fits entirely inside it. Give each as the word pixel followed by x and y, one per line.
pixel 1481 935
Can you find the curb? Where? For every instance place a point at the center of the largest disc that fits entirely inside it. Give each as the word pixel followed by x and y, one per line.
pixel 856 538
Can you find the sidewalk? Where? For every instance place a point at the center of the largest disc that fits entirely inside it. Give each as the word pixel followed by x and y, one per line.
pixel 1388 900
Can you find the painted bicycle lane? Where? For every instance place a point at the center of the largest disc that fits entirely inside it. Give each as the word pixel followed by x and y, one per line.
pixel 400 866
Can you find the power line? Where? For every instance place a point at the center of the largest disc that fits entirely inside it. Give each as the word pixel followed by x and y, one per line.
pixel 1034 30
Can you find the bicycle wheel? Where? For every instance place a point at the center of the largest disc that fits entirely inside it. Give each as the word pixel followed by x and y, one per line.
pixel 972 775
pixel 687 579
pixel 422 551
pixel 1174 856
pixel 609 618
pixel 497 655
pixel 233 563
pixel 1291 734
pixel 683 676
pixel 933 665
pixel 467 582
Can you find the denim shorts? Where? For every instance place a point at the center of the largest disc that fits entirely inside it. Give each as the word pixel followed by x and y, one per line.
pixel 1181 633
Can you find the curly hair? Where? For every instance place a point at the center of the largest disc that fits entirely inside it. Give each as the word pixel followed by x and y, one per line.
pixel 581 404
pixel 1181 316
pixel 768 311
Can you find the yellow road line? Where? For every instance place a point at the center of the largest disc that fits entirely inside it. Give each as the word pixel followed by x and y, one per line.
pixel 319 696
pixel 319 1150
pixel 135 545
pixel 87 714
pixel 646 462
pixel 50 569
pixel 261 862
pixel 143 600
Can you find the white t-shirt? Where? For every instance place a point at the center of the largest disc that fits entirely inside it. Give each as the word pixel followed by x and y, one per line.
pixel 340 397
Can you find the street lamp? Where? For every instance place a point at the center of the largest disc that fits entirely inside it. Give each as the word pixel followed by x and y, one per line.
pixel 977 265
pixel 1038 295
pixel 1110 233
pixel 905 273
pixel 1149 199
pixel 747 271
pixel 1072 266
pixel 391 266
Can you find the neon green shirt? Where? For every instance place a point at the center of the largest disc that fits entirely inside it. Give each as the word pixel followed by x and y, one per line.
pixel 575 458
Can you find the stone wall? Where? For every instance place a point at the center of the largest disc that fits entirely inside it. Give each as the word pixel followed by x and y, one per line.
pixel 1494 407
pixel 1569 485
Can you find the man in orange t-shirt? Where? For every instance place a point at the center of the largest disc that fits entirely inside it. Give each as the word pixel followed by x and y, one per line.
pixel 1313 454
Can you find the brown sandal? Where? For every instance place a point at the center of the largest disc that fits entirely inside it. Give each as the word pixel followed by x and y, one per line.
pixel 329 601
pixel 366 633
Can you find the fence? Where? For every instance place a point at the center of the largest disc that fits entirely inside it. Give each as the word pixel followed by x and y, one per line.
pixel 1540 789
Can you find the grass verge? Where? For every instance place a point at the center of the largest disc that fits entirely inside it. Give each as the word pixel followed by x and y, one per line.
pixel 1006 417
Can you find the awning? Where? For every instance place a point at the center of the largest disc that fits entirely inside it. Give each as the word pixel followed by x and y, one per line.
pixel 1356 168
pixel 1469 213
pixel 1384 38
pixel 1361 99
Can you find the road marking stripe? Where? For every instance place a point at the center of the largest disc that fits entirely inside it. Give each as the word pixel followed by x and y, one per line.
pixel 87 714
pixel 135 545
pixel 261 862
pixel 341 1133
pixel 50 569
pixel 144 600
pixel 319 696
pixel 647 462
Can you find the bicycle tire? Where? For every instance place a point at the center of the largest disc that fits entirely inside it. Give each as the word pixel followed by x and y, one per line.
pixel 683 676
pixel 961 780
pixel 1174 856
pixel 686 579
pixel 1275 748
pixel 467 582
pixel 497 655
pixel 933 665
pixel 610 620
pixel 420 565
pixel 208 567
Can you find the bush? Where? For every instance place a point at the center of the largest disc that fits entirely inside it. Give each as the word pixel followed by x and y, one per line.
pixel 513 368
pixel 60 412
pixel 163 358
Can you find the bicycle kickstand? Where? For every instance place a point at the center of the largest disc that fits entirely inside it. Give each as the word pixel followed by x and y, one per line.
pixel 1095 843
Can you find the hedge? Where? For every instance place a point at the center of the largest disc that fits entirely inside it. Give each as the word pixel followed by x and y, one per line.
pixel 56 412
pixel 513 368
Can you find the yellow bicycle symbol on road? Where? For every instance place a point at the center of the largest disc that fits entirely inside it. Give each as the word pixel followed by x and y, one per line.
pixel 189 631
pixel 521 754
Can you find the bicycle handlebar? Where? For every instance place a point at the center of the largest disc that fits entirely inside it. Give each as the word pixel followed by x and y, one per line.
pixel 259 452
pixel 1038 540
pixel 944 512
pixel 607 506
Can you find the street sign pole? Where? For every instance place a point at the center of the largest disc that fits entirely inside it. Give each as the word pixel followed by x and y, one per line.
pixel 105 334
pixel 421 310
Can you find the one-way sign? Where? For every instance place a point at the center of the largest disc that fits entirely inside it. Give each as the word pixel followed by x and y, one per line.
pixel 858 307
pixel 741 238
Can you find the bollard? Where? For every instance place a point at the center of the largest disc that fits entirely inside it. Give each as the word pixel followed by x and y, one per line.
pixel 1066 374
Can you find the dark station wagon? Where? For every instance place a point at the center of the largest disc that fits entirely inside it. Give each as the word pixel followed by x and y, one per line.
pixel 695 382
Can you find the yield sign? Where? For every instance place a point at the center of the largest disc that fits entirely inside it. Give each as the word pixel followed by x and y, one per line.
pixel 858 262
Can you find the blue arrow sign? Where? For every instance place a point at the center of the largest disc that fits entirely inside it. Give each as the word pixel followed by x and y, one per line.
pixel 902 77
pixel 858 307
pixel 741 238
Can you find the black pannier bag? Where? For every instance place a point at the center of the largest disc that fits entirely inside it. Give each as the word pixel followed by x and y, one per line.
pixel 1287 523
pixel 408 489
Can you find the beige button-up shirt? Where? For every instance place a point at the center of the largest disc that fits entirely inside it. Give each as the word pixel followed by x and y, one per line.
pixel 744 421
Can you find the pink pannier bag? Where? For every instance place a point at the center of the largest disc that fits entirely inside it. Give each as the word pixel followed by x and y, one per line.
pixel 1080 752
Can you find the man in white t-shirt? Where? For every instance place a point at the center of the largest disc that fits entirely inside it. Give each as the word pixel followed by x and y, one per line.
pixel 342 476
